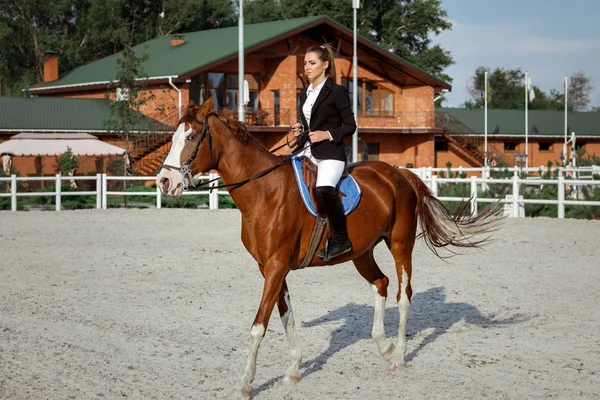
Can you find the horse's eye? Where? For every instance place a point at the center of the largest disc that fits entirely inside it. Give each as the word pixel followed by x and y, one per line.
pixel 191 137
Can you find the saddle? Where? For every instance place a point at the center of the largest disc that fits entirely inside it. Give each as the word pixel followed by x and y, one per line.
pixel 306 177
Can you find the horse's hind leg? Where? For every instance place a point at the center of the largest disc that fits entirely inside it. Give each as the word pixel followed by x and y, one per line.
pixel 402 253
pixel 284 305
pixel 369 270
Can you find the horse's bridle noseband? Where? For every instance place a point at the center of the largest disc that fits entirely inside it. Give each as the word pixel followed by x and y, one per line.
pixel 186 172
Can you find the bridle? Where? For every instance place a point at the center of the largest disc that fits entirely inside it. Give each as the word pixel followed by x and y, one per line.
pixel 186 172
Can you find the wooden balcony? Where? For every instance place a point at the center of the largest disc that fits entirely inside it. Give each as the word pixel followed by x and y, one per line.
pixel 397 120
pixel 261 116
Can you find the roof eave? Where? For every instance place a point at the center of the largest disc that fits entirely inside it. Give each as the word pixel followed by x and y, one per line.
pixel 92 85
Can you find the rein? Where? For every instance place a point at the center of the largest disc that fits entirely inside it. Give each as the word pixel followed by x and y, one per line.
pixel 186 172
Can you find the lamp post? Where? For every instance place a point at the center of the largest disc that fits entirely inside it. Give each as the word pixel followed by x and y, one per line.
pixel 355 7
pixel 520 158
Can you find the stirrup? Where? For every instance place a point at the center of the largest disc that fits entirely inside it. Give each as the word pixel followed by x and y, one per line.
pixel 326 256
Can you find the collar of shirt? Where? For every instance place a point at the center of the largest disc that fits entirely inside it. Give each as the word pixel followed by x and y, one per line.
pixel 317 89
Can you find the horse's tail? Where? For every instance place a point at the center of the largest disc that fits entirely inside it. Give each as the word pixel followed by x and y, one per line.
pixel 440 229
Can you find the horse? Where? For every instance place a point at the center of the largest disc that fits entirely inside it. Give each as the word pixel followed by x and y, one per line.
pixel 276 226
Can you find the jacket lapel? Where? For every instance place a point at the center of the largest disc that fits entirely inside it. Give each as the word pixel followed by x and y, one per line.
pixel 325 90
pixel 300 112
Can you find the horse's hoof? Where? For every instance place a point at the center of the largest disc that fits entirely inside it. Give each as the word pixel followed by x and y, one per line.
pixel 291 379
pixel 388 352
pixel 241 393
pixel 396 364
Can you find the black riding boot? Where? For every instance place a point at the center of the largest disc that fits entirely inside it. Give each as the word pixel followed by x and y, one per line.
pixel 338 242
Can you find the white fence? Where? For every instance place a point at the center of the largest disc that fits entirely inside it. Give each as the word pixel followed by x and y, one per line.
pixel 514 203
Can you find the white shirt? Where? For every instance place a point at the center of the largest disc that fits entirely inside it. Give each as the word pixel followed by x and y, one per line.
pixel 311 97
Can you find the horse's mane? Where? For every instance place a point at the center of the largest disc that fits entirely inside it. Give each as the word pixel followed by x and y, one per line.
pixel 237 128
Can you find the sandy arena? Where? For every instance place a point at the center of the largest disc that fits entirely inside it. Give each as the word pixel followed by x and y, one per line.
pixel 158 304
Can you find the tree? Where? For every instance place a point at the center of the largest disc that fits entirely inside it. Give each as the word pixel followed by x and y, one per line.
pixel 579 91
pixel 404 27
pixel 81 31
pixel 130 88
pixel 507 88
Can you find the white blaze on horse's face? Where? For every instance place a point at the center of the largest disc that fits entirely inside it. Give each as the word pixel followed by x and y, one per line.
pixel 170 181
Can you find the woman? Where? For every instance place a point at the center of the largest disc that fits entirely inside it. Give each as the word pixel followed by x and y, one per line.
pixel 325 111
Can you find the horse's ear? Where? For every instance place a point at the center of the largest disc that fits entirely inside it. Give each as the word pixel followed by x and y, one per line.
pixel 206 107
pixel 192 104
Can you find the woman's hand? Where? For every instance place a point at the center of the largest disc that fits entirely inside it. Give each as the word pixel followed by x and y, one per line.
pixel 318 136
pixel 297 129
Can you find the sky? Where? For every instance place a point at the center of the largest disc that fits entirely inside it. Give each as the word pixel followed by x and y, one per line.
pixel 549 38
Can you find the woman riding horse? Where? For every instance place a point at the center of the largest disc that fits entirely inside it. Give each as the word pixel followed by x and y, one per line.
pixel 325 110
pixel 277 228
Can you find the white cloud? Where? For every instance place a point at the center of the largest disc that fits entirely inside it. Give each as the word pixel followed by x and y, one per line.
pixel 514 45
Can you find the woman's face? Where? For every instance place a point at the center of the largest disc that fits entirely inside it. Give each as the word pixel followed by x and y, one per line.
pixel 313 66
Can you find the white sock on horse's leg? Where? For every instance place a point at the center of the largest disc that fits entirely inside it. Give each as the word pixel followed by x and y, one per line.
pixel 257 334
pixel 292 375
pixel 385 347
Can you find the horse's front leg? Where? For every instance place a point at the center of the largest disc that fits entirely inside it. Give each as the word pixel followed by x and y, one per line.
pixel 274 278
pixel 292 375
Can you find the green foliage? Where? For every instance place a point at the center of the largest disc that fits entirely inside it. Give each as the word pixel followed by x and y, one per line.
pixel 81 31
pixel 67 162
pixel 507 87
pixel 453 189
pixel 404 27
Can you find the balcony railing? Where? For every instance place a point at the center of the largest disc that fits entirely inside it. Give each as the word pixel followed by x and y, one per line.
pixel 261 116
pixel 401 119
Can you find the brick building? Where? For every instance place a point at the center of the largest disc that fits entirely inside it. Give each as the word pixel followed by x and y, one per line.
pixel 462 140
pixel 50 118
pixel 396 112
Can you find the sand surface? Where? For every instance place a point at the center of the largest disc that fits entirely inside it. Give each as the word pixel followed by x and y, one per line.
pixel 158 304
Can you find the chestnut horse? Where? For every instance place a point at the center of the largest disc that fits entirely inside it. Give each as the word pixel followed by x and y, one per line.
pixel 276 227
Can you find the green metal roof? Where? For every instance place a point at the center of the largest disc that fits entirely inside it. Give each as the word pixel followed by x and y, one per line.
pixel 541 122
pixel 200 49
pixel 60 114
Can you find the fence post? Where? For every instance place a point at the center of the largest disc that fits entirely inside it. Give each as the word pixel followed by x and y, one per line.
pixel 158 198
pixel 434 185
pixel 104 187
pixel 13 192
pixel 474 195
pixel 561 195
pixel 213 199
pixel 98 191
pixel 58 191
pixel 515 199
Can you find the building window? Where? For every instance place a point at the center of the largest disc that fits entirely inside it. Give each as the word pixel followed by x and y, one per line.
pixel 441 145
pixel 510 146
pixel 370 152
pixel 545 146
pixel 224 88
pixel 372 99
pixel 277 105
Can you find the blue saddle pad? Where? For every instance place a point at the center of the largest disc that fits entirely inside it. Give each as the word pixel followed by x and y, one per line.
pixel 347 186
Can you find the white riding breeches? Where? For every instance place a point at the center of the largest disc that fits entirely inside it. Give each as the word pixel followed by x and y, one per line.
pixel 329 172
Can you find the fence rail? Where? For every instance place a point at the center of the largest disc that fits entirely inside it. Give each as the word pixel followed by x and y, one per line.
pixel 513 201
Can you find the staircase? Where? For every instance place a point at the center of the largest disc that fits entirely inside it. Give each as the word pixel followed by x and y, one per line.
pixel 469 144
pixel 463 146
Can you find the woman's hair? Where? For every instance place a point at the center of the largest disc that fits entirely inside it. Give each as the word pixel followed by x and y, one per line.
pixel 325 53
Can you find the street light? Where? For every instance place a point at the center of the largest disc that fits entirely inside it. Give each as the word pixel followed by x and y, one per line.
pixel 355 7
pixel 521 158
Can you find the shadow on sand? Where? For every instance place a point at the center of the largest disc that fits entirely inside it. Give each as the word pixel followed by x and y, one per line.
pixel 429 310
